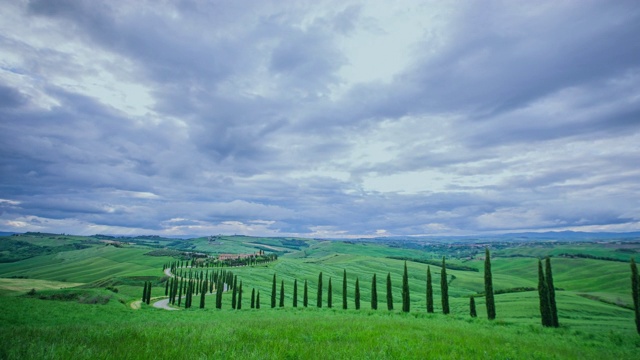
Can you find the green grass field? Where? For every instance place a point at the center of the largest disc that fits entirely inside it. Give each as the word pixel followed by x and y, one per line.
pixel 81 307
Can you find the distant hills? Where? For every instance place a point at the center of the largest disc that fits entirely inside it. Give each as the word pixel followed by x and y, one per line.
pixel 561 236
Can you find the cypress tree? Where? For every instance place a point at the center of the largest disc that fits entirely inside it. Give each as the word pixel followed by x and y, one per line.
pixel 203 293
pixel 389 293
pixel 258 300
pixel 444 285
pixel 144 292
pixel 175 291
pixel 320 290
pixel 219 290
pixel 344 289
pixel 374 293
pixel 429 291
pixel 253 298
pixel 234 293
pixel 193 288
pixel 329 295
pixel 239 303
pixel 635 292
pixel 305 296
pixel 543 292
pixel 166 287
pixel 472 307
pixel 405 290
pixel 180 286
pixel 552 293
pixel 357 294
pixel 186 296
pixel 281 294
pixel 273 292
pixel 488 286
pixel 149 293
pixel 295 293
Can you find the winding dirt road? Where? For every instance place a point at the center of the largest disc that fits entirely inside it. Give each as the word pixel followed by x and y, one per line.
pixel 164 303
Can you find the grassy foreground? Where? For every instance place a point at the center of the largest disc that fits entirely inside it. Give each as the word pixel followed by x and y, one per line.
pixel 44 329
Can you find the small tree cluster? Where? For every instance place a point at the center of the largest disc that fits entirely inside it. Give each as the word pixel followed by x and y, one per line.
pixel 546 292
pixel 146 293
pixel 405 290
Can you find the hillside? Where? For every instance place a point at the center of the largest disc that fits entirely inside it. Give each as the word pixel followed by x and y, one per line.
pixel 105 275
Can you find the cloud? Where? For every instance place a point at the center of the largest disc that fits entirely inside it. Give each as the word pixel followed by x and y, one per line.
pixel 336 118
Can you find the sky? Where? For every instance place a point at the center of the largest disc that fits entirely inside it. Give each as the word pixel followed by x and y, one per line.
pixel 319 118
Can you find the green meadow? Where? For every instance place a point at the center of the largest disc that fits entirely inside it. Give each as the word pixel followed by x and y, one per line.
pixel 61 302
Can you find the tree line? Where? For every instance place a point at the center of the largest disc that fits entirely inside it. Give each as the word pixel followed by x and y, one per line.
pixel 187 282
pixel 191 281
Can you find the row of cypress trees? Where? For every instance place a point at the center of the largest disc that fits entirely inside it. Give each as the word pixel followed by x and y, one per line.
pixel 179 285
pixel 199 283
pixel 406 299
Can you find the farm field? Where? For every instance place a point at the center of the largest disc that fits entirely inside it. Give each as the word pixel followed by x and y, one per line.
pixel 77 302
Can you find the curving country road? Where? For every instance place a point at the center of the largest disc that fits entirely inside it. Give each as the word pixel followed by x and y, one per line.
pixel 164 303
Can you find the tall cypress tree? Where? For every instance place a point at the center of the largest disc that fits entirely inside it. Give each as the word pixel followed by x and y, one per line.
pixel 166 287
pixel 187 296
pixel 239 303
pixel 219 290
pixel 180 286
pixel 175 291
pixel 281 304
pixel 429 291
pixel 543 293
pixel 320 290
pixel 305 295
pixel 405 290
pixel 472 307
pixel 374 293
pixel 258 300
pixel 329 294
pixel 295 293
pixel 253 298
pixel 635 292
pixel 357 294
pixel 488 286
pixel 203 293
pixel 344 289
pixel 444 285
pixel 552 293
pixel 273 292
pixel 389 293
pixel 144 292
pixel 234 293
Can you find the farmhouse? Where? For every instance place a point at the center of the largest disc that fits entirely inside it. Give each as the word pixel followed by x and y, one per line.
pixel 234 256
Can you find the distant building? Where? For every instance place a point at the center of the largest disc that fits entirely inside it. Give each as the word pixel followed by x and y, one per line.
pixel 234 256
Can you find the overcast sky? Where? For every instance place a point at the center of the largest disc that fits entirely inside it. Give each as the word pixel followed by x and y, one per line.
pixel 319 118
